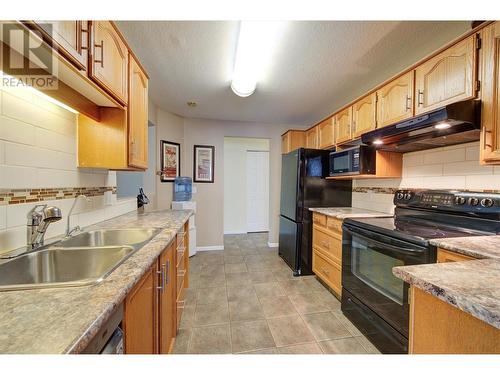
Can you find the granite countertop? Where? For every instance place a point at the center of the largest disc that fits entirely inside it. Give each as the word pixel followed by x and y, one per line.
pixel 471 286
pixel 481 247
pixel 348 212
pixel 65 320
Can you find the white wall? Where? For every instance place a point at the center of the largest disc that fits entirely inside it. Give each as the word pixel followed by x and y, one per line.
pixel 452 167
pixel 235 180
pixel 38 149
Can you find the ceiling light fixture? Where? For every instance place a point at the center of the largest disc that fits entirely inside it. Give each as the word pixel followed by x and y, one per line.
pixel 442 125
pixel 19 84
pixel 378 142
pixel 256 42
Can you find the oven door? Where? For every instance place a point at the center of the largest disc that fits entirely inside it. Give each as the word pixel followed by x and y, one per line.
pixel 367 262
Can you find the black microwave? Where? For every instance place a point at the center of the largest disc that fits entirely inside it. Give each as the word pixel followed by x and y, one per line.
pixel 353 161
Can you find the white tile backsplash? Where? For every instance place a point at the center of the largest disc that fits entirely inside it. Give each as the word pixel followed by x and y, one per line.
pixel 452 167
pixel 38 149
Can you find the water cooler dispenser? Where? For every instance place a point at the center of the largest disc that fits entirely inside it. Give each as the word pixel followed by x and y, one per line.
pixel 183 189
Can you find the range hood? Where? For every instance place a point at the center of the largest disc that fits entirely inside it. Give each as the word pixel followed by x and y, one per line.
pixel 455 123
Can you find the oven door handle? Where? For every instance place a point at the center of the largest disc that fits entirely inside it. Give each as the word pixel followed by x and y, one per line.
pixel 381 246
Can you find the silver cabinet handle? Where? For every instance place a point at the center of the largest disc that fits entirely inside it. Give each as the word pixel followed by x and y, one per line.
pixel 167 272
pixel 408 102
pixel 162 280
pixel 420 97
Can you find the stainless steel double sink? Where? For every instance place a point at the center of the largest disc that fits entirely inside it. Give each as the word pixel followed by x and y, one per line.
pixel 84 259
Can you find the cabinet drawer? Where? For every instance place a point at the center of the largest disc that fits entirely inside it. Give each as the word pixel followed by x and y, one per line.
pixel 334 224
pixel 444 256
pixel 329 244
pixel 327 271
pixel 319 219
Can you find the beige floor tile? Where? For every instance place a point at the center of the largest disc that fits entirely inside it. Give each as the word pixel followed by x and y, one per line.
pixel 230 259
pixel 328 299
pixel 262 277
pixel 367 345
pixel 187 318
pixel 235 267
pixel 342 346
pixel 307 303
pixel 212 269
pixel 246 336
pixel 211 281
pixel 313 284
pixel 240 278
pixel 211 314
pixel 182 341
pixel 245 310
pixel 262 351
pixel 326 326
pixel 296 286
pixel 268 289
pixel 260 267
pixel 249 259
pixel 274 307
pixel 289 330
pixel 310 348
pixel 282 274
pixel 241 293
pixel 212 296
pixel 347 323
pixel 210 340
pixel 190 296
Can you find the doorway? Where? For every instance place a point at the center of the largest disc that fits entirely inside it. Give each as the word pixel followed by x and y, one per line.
pixel 246 185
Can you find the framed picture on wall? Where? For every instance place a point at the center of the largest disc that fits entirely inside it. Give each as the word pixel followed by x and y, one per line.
pixel 204 163
pixel 170 158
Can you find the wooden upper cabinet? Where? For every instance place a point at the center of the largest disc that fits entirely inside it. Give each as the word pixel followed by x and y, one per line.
pixel 343 125
pixel 490 95
pixel 137 115
pixel 140 316
pixel 292 140
pixel 326 132
pixel 109 59
pixel 447 77
pixel 167 299
pixel 312 137
pixel 70 38
pixel 364 115
pixel 395 100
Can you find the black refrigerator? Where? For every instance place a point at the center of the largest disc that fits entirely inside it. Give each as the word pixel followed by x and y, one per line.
pixel 303 185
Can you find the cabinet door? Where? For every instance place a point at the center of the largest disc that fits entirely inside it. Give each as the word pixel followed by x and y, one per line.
pixel 167 309
pixel 70 38
pixel 446 78
pixel 137 116
pixel 395 100
pixel 312 138
pixel 285 143
pixel 326 134
pixel 343 125
pixel 140 316
pixel 490 95
pixel 109 65
pixel 364 115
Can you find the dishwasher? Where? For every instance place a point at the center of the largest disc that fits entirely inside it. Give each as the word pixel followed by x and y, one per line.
pixel 109 338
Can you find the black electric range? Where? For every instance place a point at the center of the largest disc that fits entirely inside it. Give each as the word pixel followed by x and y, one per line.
pixel 372 297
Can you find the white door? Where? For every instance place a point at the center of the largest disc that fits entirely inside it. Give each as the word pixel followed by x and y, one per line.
pixel 257 191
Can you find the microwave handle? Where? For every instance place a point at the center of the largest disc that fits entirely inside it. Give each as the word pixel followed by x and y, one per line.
pixel 381 246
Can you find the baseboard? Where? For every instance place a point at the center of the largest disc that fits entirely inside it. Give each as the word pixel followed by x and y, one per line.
pixel 272 244
pixel 235 232
pixel 209 248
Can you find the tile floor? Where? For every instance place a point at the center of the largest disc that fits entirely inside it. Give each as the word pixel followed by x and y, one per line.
pixel 245 300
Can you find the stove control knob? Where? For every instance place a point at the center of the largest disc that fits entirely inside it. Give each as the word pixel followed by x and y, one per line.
pixel 460 200
pixel 400 195
pixel 473 201
pixel 408 196
pixel 487 202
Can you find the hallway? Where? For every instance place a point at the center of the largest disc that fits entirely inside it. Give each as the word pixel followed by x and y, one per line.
pixel 244 299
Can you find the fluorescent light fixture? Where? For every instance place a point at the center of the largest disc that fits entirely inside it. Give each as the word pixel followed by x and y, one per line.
pixel 378 142
pixel 21 85
pixel 442 125
pixel 256 43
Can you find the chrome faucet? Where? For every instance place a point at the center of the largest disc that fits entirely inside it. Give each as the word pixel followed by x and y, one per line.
pixel 76 228
pixel 39 219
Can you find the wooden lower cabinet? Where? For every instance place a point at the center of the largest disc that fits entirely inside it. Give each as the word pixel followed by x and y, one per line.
pixel 444 256
pixel 436 327
pixel 141 315
pixel 327 251
pixel 152 309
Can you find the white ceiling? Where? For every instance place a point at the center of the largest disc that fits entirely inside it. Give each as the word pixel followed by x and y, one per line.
pixel 317 68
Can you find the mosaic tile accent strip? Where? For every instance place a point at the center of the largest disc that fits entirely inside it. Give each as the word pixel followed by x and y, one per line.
pixel 386 190
pixel 17 196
